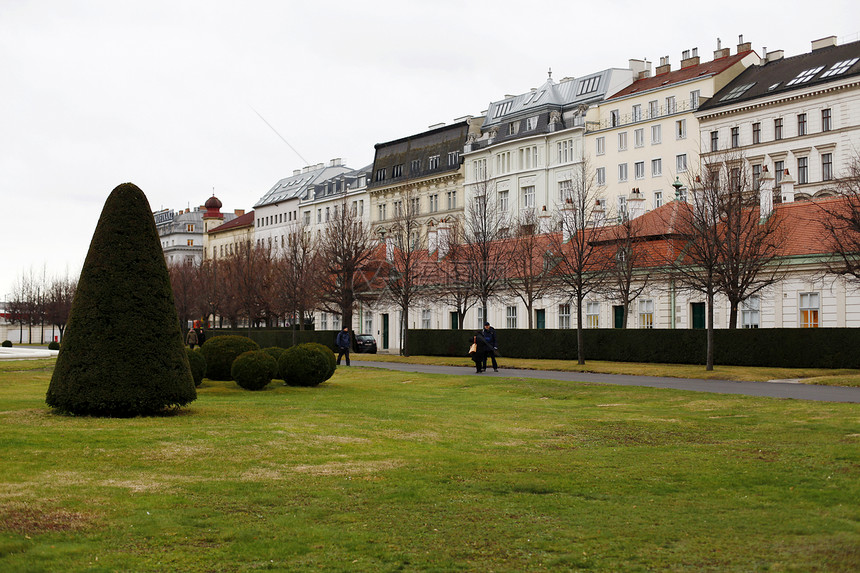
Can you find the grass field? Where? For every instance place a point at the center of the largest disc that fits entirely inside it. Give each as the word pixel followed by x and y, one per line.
pixel 822 376
pixel 386 471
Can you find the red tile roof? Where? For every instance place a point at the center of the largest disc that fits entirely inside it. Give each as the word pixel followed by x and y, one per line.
pixel 246 220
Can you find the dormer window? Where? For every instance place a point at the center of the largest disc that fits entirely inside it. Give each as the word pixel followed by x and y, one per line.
pixel 588 85
pixel 531 123
pixel 839 68
pixel 434 162
pixel 397 170
pixel 502 108
pixel 805 76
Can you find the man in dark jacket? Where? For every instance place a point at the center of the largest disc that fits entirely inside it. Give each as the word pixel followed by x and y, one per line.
pixel 489 334
pixel 343 342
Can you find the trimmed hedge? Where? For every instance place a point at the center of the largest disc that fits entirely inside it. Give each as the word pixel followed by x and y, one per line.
pixel 305 365
pixel 281 337
pixel 6 344
pixel 776 347
pixel 275 352
pixel 53 345
pixel 221 351
pixel 326 352
pixel 197 363
pixel 253 370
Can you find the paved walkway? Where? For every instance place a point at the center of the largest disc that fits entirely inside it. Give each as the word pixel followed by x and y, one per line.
pixel 778 389
pixel 25 353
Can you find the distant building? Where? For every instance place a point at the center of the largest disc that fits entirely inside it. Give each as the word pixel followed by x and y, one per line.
pixel 182 234
pixel 321 201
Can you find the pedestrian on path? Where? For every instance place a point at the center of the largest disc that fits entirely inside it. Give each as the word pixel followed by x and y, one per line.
pixel 191 338
pixel 489 335
pixel 343 342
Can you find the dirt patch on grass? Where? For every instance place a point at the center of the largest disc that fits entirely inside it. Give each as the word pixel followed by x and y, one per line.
pixel 29 519
pixel 348 468
pixel 137 486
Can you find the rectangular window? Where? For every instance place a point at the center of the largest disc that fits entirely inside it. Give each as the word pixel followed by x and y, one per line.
pixel 319 215
pixel 380 174
pixel 826 166
pixel 434 202
pixel 658 199
pixel 480 317
pixel 382 211
pixel 614 118
pixel 656 167
pixel 503 201
pixel 415 166
pixel 639 170
pixel 306 218
pixel 809 306
pixel 564 190
pixel 639 137
pixel 531 123
pixel 656 134
pixel 671 107
pixel 323 321
pixel 601 145
pixel 802 170
pixel 397 171
pixel 592 315
pixel 694 99
pixel 637 113
pixel 453 158
pixel 452 200
pixel 415 204
pixel 622 172
pixel 511 317
pixel 503 162
pixel 801 124
pixel 564 316
pixel 529 197
pixel 715 140
pixel 756 133
pixel 622 205
pixel 777 128
pixel 751 312
pixel 653 109
pixel 601 176
pixel 736 137
pixel 479 166
pixel 529 157
pixel 565 151
pixel 433 162
pixel 681 129
pixel 425 318
pixel 190 242
pixel 622 141
pixel 756 176
pixel 646 313
pixel 825 119
pixel 681 163
pixel 778 171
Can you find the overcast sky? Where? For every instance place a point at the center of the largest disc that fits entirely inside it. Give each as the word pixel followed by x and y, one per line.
pixel 163 93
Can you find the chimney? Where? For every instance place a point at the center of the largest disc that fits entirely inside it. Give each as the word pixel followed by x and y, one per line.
pixel 743 46
pixel 544 221
pixel 432 238
pixel 336 162
pixel 765 194
pixel 786 187
pixel 635 203
pixel 238 212
pixel 664 67
pixel 688 60
pixel 598 214
pixel 639 68
pixel 296 172
pixel 827 42
pixel 721 52
pixel 775 55
pixel 442 239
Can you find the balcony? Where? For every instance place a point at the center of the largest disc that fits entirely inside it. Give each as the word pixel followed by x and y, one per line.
pixel 646 115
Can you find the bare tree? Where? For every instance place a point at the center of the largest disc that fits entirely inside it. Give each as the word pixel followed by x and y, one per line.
pixel 581 264
pixel 485 224
pixel 248 272
pixel 408 262
pixel 296 275
pixel 529 277
pixel 184 281
pixel 841 223
pixel 59 301
pixel 345 250
pixel 628 272
pixel 453 271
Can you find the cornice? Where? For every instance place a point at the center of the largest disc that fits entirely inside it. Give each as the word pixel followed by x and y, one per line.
pixel 410 183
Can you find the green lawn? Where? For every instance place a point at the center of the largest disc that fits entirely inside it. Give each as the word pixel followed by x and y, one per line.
pixel 388 471
pixel 823 376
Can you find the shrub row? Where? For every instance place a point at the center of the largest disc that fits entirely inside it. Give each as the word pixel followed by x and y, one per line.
pixel 776 347
pixel 278 337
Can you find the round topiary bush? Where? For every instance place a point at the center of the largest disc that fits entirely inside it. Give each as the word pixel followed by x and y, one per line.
pixel 326 352
pixel 122 353
pixel 221 351
pixel 53 345
pixel 198 365
pixel 253 370
pixel 304 365
pixel 275 352
pixel 7 344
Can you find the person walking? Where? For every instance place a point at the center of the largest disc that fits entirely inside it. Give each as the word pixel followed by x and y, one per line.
pixel 489 335
pixel 479 356
pixel 343 342
pixel 191 338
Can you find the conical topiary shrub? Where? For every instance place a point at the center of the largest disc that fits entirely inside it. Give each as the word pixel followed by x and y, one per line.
pixel 122 352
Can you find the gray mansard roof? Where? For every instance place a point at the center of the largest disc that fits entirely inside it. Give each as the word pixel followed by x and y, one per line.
pixel 298 183
pixel 818 67
pixel 355 179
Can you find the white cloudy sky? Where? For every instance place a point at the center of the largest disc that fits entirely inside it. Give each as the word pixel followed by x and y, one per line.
pixel 162 93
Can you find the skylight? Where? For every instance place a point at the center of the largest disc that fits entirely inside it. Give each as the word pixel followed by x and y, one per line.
pixel 737 91
pixel 774 86
pixel 588 85
pixel 805 76
pixel 534 97
pixel 502 109
pixel 839 68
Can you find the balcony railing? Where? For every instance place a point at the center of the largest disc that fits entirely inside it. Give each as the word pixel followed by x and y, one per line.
pixel 646 115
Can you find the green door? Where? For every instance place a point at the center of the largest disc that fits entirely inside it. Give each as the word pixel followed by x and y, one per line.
pixel 385 332
pixel 618 316
pixel 698 309
pixel 455 320
pixel 540 318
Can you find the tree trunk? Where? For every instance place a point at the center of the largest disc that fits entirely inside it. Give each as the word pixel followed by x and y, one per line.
pixel 580 345
pixel 626 308
pixel 733 314
pixel 461 319
pixel 531 318
pixel 709 363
